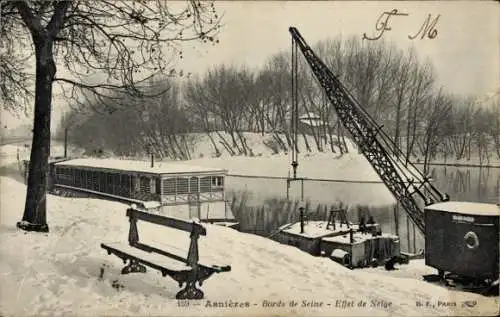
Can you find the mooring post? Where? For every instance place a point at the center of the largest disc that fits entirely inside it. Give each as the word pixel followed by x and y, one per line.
pixel 301 219
pixel 65 142
pixel 302 189
pixel 294 166
pixel 152 160
pixel 288 187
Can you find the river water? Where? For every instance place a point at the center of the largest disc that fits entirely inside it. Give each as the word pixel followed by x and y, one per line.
pixel 260 203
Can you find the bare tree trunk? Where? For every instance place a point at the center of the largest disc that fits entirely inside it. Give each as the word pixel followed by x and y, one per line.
pixel 35 209
pixel 243 142
pixel 339 142
pixel 208 132
pixel 461 147
pixel 330 135
pixel 217 152
pixel 225 144
pixel 469 141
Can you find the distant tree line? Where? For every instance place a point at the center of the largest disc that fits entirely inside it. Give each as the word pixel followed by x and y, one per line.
pixel 399 90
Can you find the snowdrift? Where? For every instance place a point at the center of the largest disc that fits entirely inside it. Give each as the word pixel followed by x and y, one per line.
pixel 59 273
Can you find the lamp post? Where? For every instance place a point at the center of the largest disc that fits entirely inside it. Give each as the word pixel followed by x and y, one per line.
pixel 70 124
pixel 145 119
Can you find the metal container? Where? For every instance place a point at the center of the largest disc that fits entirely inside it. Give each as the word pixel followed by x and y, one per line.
pixel 463 238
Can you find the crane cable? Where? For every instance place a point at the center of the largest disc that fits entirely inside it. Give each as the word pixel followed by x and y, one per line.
pixel 395 151
pixel 294 107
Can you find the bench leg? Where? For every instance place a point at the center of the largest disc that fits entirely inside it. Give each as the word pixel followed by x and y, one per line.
pixel 134 267
pixel 190 292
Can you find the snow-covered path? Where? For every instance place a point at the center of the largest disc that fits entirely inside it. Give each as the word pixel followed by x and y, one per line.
pixel 59 273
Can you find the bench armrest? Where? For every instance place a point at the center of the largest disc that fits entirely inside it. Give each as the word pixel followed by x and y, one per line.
pixel 220 269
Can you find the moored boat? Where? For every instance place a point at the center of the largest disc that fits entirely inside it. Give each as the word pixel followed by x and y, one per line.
pixel 352 245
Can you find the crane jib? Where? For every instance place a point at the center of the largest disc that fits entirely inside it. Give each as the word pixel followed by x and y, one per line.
pixel 367 135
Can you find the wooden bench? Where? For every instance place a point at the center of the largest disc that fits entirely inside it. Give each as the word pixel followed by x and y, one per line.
pixel 185 269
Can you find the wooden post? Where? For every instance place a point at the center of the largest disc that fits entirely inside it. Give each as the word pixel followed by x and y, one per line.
pixel 133 234
pixel 65 142
pixel 198 202
pixel 301 219
pixel 288 188
pixel 193 257
pixel 302 189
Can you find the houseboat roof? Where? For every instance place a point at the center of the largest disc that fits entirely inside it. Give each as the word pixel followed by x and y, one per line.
pixel 140 166
pixel 469 208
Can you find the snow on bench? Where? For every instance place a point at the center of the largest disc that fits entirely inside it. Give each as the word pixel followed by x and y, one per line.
pixel 169 260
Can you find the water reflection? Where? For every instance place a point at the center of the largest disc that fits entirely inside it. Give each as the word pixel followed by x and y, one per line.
pixel 468 183
pixel 263 204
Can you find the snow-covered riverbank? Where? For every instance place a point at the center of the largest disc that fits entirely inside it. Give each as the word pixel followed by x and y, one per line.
pixel 58 273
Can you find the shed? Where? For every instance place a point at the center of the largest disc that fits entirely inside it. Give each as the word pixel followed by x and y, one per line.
pixel 463 238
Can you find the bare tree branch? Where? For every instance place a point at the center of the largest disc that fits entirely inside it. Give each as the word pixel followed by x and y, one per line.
pixel 56 21
pixel 32 21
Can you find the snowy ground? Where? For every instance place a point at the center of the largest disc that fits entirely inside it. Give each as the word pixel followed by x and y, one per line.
pixel 58 273
pixel 256 141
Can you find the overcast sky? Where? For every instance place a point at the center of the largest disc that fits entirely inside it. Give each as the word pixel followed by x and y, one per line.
pixel 465 51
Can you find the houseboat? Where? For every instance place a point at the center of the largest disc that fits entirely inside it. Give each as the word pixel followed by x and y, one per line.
pixel 352 245
pixel 174 189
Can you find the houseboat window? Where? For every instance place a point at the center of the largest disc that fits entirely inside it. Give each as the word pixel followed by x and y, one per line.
pixel 95 180
pixel 205 184
pixel 193 185
pixel 158 186
pixel 109 183
pixel 126 182
pixel 137 184
pixel 144 184
pixel 116 183
pixel 120 188
pixel 182 186
pixel 89 179
pixel 217 182
pixel 152 185
pixel 169 186
pixel 102 178
pixel 69 176
pixel 84 179
pixel 78 178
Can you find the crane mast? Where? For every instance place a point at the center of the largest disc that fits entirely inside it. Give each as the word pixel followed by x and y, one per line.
pixel 370 138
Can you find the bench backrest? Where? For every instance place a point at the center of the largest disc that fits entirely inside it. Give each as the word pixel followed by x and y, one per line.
pixel 194 228
pixel 179 224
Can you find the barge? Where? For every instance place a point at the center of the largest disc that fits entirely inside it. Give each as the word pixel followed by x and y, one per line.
pixel 352 245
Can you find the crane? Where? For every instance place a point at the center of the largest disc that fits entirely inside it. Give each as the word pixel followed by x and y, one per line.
pixel 461 238
pixel 403 179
